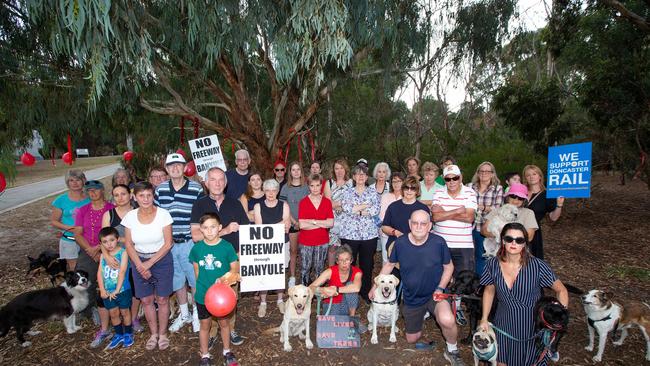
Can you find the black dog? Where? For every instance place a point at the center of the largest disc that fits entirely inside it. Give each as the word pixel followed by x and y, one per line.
pixel 62 302
pixel 552 318
pixel 50 262
pixel 467 283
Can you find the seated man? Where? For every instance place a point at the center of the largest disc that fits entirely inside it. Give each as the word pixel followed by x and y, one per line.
pixel 426 269
pixel 344 282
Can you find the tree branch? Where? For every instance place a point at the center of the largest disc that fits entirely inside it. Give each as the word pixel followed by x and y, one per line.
pixel 634 18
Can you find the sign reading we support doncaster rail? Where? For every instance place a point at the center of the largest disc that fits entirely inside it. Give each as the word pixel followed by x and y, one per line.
pixel 569 171
pixel 261 257
pixel 206 154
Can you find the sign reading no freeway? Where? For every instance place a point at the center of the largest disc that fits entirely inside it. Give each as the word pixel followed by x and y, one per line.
pixel 206 153
pixel 261 257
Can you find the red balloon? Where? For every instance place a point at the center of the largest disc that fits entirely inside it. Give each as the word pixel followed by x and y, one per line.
pixel 220 300
pixel 182 152
pixel 67 158
pixel 128 155
pixel 27 159
pixel 3 182
pixel 190 169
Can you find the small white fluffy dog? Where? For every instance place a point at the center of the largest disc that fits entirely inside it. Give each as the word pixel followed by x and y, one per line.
pixel 484 346
pixel 505 214
pixel 296 317
pixel 383 309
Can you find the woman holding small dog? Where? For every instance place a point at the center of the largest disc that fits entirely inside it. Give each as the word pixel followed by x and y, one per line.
pixel 515 277
pixel 344 283
pixel 489 196
pixel 517 196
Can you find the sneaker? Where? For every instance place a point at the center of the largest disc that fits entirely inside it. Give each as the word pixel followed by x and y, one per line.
pixel 362 328
pixel 230 360
pixel 261 310
pixel 179 323
pixel 115 341
pixel 128 340
pixel 235 338
pixel 281 306
pixel 427 315
pixel 94 314
pixel 460 317
pixel 292 282
pixel 196 323
pixel 554 356
pixel 100 337
pixel 206 360
pixel 454 358
pixel 137 327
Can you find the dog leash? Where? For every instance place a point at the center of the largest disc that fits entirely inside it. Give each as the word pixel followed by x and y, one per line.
pixel 320 298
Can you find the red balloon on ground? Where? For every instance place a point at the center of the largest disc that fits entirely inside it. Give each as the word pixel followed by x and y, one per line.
pixel 3 182
pixel 220 300
pixel 182 152
pixel 128 155
pixel 67 158
pixel 27 159
pixel 190 169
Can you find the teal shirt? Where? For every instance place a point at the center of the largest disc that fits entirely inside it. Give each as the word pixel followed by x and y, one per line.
pixel 214 261
pixel 68 208
pixel 110 274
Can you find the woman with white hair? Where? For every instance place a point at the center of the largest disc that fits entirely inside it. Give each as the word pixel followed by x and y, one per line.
pixel 381 172
pixel 63 214
pixel 273 211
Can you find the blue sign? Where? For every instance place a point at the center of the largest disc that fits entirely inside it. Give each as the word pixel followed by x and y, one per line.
pixel 569 171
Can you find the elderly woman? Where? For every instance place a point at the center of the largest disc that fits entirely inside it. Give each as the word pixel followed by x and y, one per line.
pixel 428 185
pixel 272 211
pixel 537 201
pixel 516 278
pixel 359 230
pixel 381 173
pixel 88 222
pixel 253 195
pixel 343 283
pixel 334 188
pixel 489 196
pixel 517 195
pixel 413 167
pixel 395 193
pixel 316 217
pixel 398 213
pixel 63 212
pixel 148 241
pixel 122 176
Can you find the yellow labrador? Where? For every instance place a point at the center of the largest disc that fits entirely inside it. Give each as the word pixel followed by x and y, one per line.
pixel 296 317
pixel 383 309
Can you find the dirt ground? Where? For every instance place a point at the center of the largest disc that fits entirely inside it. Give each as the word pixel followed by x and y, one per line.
pixel 598 243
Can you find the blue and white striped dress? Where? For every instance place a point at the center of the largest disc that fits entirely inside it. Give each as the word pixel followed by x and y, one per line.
pixel 515 308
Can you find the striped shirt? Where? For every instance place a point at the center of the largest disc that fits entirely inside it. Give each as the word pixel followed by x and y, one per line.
pixel 179 204
pixel 457 234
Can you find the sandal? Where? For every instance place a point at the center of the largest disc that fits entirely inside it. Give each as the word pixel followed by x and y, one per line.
pixel 163 342
pixel 152 342
pixel 425 346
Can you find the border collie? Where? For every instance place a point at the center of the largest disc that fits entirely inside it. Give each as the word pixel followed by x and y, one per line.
pixel 62 302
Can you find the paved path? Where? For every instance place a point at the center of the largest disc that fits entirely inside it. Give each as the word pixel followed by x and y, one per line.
pixel 16 197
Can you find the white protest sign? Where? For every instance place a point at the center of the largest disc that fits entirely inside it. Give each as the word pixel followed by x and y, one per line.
pixel 206 153
pixel 261 257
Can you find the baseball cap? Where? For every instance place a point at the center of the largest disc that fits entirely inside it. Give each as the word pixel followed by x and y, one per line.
pixel 174 158
pixel 362 161
pixel 519 190
pixel 451 170
pixel 93 184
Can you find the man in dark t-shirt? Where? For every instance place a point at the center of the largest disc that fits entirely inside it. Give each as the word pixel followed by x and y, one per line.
pixel 238 178
pixel 426 269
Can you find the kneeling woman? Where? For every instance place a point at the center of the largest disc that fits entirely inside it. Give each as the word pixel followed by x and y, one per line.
pixel 344 283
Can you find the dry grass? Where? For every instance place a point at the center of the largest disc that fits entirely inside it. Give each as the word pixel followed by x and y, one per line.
pixel 43 169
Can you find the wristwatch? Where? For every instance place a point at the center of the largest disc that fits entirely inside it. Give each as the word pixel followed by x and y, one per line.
pixel 313 222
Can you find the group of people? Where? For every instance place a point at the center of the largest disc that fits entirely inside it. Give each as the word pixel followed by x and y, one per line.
pixel 170 234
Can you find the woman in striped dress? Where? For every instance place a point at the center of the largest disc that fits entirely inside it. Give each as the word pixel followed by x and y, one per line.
pixel 516 277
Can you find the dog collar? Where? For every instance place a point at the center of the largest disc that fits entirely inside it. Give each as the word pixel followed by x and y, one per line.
pixel 485 356
pixel 385 303
pixel 592 322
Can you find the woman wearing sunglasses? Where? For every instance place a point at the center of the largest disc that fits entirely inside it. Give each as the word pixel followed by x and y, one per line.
pixel 517 195
pixel 516 277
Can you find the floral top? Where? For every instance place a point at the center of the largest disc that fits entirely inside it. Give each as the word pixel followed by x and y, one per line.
pixel 355 226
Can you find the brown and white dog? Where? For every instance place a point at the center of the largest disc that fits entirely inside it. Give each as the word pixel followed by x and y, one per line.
pixel 604 316
pixel 296 318
pixel 484 346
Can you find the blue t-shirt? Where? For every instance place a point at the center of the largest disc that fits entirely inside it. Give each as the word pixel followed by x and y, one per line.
pixel 110 274
pixel 68 207
pixel 398 214
pixel 420 266
pixel 237 183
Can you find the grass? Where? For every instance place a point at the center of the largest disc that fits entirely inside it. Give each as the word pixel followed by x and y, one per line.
pixel 43 169
pixel 629 272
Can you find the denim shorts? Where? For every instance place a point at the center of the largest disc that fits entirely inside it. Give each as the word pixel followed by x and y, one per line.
pixel 122 301
pixel 183 268
pixel 68 249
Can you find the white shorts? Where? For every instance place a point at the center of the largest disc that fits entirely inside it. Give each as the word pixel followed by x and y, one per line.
pixel 68 249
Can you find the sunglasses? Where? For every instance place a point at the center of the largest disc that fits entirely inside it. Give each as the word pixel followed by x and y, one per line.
pixel 452 178
pixel 410 188
pixel 519 240
pixel 516 197
pixel 279 169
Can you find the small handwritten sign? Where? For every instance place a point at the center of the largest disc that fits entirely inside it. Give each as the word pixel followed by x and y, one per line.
pixel 337 331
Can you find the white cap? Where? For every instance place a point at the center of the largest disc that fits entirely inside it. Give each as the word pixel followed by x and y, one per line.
pixel 362 160
pixel 175 158
pixel 451 170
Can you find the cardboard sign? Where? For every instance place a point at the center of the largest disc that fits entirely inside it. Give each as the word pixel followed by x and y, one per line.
pixel 337 331
pixel 261 257
pixel 206 154
pixel 569 171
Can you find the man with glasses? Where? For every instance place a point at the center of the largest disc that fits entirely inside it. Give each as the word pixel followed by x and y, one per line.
pixel 238 177
pixel 426 269
pixel 157 175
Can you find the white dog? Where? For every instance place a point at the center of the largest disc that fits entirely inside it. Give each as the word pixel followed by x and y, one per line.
pixel 383 310
pixel 484 346
pixel 505 214
pixel 296 317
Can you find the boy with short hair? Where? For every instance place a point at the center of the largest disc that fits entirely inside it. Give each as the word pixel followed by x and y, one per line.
pixel 214 261
pixel 114 288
